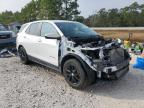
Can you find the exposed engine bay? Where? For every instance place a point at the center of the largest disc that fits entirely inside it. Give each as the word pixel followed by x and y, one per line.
pixel 103 56
pixel 110 53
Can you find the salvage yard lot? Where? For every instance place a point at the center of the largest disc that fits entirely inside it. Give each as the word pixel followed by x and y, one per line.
pixel 34 86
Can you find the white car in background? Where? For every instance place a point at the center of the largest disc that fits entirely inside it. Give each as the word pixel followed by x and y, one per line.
pixel 73 49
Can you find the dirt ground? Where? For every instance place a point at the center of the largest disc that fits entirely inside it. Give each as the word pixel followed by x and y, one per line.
pixel 34 86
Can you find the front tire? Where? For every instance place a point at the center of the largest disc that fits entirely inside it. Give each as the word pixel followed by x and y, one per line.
pixel 74 74
pixel 23 55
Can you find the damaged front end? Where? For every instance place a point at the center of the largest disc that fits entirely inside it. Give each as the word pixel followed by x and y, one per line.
pixel 106 57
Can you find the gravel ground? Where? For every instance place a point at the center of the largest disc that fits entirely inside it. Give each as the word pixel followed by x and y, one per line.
pixel 34 86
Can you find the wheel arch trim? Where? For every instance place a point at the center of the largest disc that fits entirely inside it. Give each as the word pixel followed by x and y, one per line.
pixel 89 72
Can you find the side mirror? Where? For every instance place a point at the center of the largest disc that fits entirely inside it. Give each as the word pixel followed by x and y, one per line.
pixel 53 36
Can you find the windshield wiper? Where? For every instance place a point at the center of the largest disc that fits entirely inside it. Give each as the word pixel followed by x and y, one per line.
pixel 76 37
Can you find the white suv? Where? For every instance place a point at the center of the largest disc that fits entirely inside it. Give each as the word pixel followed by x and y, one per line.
pixel 73 49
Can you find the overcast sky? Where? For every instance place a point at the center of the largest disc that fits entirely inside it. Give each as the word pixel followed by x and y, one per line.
pixel 87 7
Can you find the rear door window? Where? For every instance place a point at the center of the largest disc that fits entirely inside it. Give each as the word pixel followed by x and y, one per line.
pixel 34 29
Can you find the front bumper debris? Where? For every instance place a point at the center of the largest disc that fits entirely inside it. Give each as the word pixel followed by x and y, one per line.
pixel 116 74
pixel 112 69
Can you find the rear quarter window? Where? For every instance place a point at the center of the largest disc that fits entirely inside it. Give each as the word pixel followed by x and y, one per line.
pixel 28 30
pixel 22 27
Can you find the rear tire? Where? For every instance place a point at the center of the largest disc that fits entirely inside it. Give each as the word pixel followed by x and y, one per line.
pixel 23 55
pixel 74 74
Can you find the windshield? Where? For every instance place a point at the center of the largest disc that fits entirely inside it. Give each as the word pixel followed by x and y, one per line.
pixel 76 30
pixel 2 28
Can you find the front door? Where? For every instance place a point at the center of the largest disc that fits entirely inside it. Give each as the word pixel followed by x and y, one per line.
pixel 47 49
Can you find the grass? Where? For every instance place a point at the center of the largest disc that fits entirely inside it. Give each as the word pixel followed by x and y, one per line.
pixel 135 35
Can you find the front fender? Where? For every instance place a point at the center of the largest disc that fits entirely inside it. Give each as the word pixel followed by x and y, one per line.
pixel 91 74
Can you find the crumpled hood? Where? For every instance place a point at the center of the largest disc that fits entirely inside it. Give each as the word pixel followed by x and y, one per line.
pixel 92 42
pixel 81 41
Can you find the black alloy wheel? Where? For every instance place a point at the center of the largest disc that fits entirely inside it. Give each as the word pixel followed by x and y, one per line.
pixel 23 55
pixel 74 74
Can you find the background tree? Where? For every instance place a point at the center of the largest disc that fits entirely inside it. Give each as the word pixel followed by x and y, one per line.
pixel 69 9
pixel 55 9
pixel 130 16
pixel 6 17
pixel 80 19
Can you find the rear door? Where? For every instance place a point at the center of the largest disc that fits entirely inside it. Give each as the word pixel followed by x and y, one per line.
pixel 31 39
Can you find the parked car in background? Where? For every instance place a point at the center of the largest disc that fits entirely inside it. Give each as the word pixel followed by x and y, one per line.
pixel 15 27
pixel 7 38
pixel 78 52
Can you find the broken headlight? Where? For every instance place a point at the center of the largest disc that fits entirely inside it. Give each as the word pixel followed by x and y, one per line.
pixel 92 54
